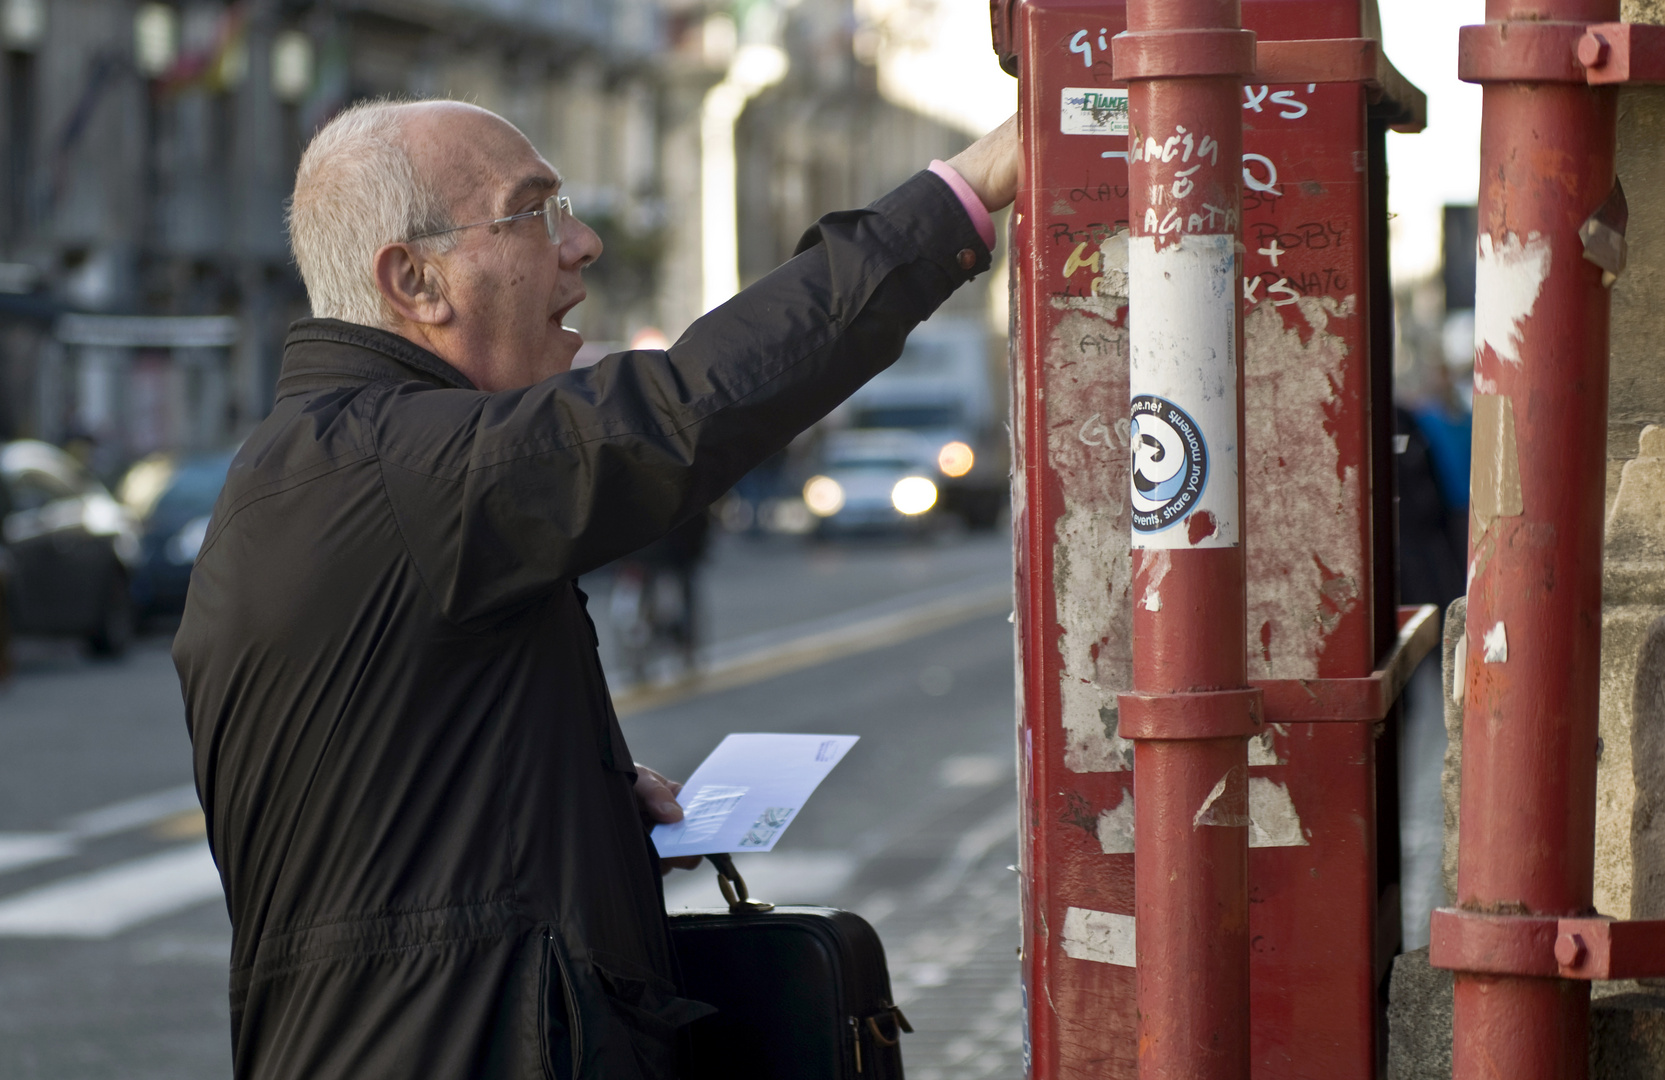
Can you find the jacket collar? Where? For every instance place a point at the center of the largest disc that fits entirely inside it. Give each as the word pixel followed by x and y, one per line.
pixel 329 352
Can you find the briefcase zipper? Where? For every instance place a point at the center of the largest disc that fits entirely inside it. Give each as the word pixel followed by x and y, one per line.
pixel 855 1037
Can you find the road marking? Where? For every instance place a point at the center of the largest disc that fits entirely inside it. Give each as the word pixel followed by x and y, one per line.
pixel 812 644
pixel 974 770
pixel 18 850
pixel 133 813
pixel 105 902
pixel 175 809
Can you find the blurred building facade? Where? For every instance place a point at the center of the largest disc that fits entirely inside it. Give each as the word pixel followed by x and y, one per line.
pixel 149 148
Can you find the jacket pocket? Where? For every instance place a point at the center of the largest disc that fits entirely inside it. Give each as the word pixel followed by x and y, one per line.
pixel 560 1028
pixel 651 1019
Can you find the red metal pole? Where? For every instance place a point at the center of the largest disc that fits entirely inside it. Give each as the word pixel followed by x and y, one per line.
pixel 1534 600
pixel 1185 62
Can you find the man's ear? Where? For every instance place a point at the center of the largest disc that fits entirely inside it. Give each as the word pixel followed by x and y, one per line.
pixel 413 286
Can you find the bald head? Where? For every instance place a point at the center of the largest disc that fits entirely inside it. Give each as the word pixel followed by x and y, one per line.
pixel 382 172
pixel 470 153
pixel 396 223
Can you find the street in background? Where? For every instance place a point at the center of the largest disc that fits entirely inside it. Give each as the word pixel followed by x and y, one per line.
pixel 113 934
pixel 67 550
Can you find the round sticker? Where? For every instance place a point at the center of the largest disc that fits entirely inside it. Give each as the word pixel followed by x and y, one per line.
pixel 1170 463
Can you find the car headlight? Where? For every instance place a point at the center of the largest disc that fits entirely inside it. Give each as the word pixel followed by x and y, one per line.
pixel 955 459
pixel 913 495
pixel 103 516
pixel 824 496
pixel 184 545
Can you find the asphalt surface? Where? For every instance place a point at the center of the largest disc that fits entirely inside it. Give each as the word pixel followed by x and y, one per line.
pixel 113 937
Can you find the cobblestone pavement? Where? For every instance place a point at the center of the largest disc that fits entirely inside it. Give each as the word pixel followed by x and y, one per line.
pixel 954 970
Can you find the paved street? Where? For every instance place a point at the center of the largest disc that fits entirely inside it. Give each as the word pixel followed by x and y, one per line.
pixel 113 937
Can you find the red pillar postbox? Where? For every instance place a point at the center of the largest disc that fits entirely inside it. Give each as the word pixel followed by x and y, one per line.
pixel 1326 646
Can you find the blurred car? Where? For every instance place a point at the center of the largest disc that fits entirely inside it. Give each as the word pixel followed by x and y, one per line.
pixel 944 389
pixel 875 480
pixel 966 465
pixel 172 497
pixel 68 550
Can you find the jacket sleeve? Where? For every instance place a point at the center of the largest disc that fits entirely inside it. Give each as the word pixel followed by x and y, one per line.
pixel 501 495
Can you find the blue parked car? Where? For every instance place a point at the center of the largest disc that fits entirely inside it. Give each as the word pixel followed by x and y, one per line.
pixel 172 498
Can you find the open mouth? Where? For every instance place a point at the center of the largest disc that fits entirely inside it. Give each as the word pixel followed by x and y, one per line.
pixel 559 318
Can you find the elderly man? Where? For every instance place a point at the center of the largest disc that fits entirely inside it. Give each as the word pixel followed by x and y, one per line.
pixel 428 824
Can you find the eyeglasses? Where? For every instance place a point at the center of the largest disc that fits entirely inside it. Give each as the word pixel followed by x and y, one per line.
pixel 556 212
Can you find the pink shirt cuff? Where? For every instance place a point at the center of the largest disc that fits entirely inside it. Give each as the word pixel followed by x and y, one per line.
pixel 974 207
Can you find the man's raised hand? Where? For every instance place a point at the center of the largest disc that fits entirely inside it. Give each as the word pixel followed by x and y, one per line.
pixel 991 165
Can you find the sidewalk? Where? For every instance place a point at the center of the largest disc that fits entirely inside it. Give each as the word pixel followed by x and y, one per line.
pixel 954 969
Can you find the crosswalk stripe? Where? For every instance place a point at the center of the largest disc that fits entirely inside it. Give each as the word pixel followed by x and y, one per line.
pixel 19 850
pixel 105 902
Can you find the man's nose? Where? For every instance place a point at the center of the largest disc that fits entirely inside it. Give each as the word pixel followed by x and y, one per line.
pixel 580 246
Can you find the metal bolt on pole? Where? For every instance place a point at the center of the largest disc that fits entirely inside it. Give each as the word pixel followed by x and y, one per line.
pixel 1191 710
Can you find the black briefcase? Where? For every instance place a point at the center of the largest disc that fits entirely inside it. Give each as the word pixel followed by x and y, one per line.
pixel 802 993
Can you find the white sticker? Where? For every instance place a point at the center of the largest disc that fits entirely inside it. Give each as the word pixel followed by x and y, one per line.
pixel 1093 111
pixel 1182 374
pixel 1104 937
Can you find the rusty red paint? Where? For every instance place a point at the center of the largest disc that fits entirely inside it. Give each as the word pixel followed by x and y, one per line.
pixel 1185 62
pixel 1312 919
pixel 1543 946
pixel 1534 606
pixel 1199 527
pixel 1197 714
pixel 1631 53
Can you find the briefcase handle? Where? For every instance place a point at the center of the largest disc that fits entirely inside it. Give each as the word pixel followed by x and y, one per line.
pixel 734 888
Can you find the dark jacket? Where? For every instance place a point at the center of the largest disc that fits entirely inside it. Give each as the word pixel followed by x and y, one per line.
pixel 417 792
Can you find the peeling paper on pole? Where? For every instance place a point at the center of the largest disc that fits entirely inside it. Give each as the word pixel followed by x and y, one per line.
pixel 1495 477
pixel 1263 748
pixel 1508 277
pixel 1154 571
pixel 1115 827
pixel 1302 508
pixel 1495 645
pixel 1220 806
pixel 1183 387
pixel 1104 937
pixel 1273 820
pixel 1092 568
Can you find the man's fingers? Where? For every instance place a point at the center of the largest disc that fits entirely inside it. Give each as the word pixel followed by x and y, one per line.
pixel 657 796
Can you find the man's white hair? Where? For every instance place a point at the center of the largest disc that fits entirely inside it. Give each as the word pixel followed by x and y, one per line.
pixel 356 190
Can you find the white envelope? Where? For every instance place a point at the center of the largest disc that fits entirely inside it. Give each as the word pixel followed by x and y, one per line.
pixel 743 796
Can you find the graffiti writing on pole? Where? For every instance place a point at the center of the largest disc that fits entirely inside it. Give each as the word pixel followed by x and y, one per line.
pixel 1082 44
pixel 1181 144
pixel 1259 98
pixel 1263 176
